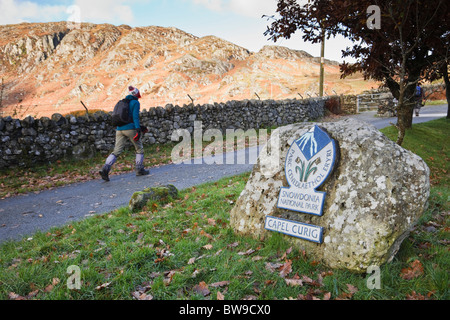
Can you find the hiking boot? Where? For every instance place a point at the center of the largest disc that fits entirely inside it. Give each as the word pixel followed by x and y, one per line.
pixel 142 172
pixel 104 173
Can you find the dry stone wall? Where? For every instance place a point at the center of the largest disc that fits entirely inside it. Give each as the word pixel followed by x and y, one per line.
pixel 30 141
pixel 349 104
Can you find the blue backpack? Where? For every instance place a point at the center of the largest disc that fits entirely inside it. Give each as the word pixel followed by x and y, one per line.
pixel 418 91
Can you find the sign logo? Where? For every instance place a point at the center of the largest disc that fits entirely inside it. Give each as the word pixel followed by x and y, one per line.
pixel 309 162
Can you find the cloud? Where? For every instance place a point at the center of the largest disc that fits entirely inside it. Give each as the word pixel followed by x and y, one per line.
pixel 98 11
pixel 253 8
pixel 248 8
pixel 14 11
pixel 102 11
pixel 214 5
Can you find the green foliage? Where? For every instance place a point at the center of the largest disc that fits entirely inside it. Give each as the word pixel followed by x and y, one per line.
pixel 430 142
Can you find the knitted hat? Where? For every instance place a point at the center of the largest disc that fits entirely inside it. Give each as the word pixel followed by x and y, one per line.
pixel 134 92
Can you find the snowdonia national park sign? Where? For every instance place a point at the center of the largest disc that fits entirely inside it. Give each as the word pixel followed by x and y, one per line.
pixel 309 162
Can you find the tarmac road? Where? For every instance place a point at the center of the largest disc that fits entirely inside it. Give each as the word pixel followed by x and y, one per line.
pixel 24 215
pixel 427 113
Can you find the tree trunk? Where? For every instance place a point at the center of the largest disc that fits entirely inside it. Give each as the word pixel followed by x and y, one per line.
pixel 405 112
pixel 447 88
pixel 409 114
pixel 448 101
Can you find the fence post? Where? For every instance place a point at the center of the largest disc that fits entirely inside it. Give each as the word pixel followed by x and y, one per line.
pixel 87 111
pixel 191 99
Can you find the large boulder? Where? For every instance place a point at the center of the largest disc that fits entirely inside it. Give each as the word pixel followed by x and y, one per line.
pixel 374 196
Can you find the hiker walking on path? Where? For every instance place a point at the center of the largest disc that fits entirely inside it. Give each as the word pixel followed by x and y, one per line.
pixel 131 131
pixel 419 95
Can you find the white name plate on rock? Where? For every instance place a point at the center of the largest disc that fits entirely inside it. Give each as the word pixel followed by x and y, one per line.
pixel 295 229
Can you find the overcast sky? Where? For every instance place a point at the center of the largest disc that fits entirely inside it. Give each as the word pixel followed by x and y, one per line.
pixel 238 21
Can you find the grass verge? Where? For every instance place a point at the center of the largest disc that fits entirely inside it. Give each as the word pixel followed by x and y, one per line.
pixel 187 250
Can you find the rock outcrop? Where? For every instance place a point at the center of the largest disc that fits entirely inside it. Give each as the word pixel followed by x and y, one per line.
pixel 375 195
pixel 50 67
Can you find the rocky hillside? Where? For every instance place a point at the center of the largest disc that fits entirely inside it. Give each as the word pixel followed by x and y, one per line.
pixel 48 68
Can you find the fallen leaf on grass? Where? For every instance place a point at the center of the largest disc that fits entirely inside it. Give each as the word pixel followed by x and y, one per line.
pixel 285 269
pixel 142 296
pixel 352 289
pixel 195 273
pixel 15 296
pixel 327 296
pixel 203 233
pixel 271 266
pixel 141 291
pixel 219 284
pixel 415 270
pixel 168 276
pixel 415 296
pixel 220 296
pixel 312 282
pixel 246 253
pixel 233 245
pixel 288 251
pixel 103 286
pixel 348 295
pixel 139 238
pixel 294 282
pixel 202 288
pixel 308 296
pixel 50 287
pixel 270 282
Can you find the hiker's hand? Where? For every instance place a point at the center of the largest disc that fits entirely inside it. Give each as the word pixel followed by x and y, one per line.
pixel 144 130
pixel 138 135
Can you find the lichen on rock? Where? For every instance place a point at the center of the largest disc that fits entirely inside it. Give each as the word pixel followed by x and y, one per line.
pixel 160 195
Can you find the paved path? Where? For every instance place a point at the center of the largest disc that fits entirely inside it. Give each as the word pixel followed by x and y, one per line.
pixel 427 113
pixel 24 215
